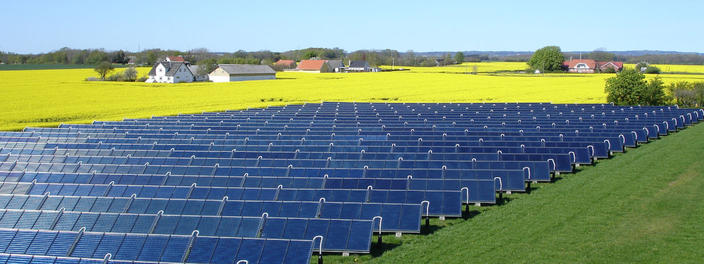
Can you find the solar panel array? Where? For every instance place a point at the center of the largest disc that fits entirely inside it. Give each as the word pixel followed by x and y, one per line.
pixel 274 185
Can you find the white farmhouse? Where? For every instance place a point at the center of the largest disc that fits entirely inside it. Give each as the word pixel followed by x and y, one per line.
pixel 241 72
pixel 170 72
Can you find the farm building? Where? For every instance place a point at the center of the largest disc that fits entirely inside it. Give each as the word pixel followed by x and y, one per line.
pixel 175 58
pixel 241 72
pixel 197 77
pixel 170 72
pixel 358 66
pixel 581 66
pixel 616 65
pixel 313 66
pixel 591 66
pixel 285 64
pixel 336 65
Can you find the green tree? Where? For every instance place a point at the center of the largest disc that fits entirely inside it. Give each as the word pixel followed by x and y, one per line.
pixel 621 90
pixel 120 57
pixel 97 56
pixel 309 54
pixel 206 66
pixel 459 57
pixel 103 69
pixel 630 88
pixel 547 59
pixel 151 57
pixel 654 93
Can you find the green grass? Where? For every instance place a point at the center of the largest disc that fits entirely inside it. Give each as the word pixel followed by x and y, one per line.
pixel 643 206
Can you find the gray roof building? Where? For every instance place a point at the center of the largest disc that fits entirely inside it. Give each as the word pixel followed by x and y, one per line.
pixel 247 69
pixel 170 66
pixel 359 64
pixel 335 65
pixel 241 72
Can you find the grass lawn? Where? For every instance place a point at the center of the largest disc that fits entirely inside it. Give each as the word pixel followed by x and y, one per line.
pixel 643 206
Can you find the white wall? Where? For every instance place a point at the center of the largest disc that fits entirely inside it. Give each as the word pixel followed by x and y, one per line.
pixel 236 78
pixel 182 75
pixel 251 78
pixel 215 78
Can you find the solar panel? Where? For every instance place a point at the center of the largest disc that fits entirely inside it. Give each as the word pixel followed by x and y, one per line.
pixel 264 185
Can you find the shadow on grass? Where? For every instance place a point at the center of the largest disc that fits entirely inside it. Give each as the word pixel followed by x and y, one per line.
pixel 379 249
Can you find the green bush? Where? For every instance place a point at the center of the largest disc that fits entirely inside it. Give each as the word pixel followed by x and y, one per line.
pixel 630 88
pixel 609 70
pixel 687 94
pixel 652 70
pixel 129 74
pixel 117 77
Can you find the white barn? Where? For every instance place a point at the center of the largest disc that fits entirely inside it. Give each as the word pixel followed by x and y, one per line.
pixel 170 72
pixel 241 72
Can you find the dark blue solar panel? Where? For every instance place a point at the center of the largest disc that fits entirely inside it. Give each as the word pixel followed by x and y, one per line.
pixel 330 168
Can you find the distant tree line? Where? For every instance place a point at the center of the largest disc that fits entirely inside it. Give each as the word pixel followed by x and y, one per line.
pixel 374 57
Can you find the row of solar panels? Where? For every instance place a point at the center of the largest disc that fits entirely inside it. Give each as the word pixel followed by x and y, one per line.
pixel 440 203
pixel 467 144
pixel 355 133
pixel 401 126
pixel 396 217
pixel 342 234
pixel 340 171
pixel 69 246
pixel 558 161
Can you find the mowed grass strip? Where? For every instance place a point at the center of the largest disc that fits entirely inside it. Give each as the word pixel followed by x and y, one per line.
pixel 643 206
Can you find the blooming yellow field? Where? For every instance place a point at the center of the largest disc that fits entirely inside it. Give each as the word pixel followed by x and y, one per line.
pixel 676 68
pixel 51 97
pixel 468 67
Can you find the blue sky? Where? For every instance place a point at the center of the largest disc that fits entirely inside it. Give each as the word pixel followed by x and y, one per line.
pixel 40 26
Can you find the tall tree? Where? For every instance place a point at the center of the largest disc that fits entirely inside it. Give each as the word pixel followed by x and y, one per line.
pixel 97 56
pixel 103 69
pixel 120 57
pixel 459 57
pixel 547 59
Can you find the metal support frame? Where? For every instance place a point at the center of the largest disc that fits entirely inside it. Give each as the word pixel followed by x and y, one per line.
pixel 378 240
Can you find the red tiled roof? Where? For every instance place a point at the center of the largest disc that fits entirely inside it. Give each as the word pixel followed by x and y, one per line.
pixel 311 65
pixel 572 63
pixel 175 58
pixel 618 64
pixel 285 62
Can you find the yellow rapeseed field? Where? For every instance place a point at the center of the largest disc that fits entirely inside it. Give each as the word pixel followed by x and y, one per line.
pixel 676 68
pixel 468 67
pixel 51 97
